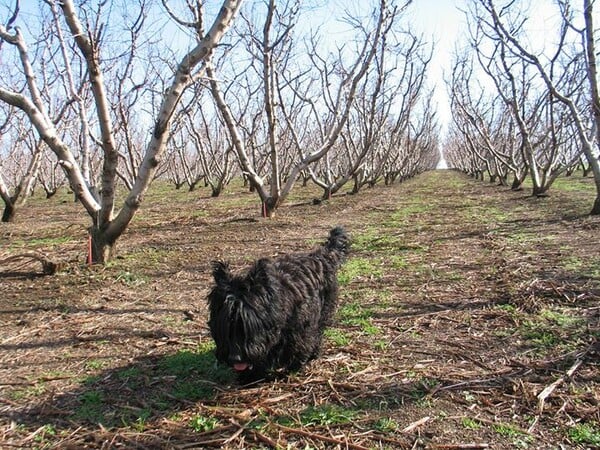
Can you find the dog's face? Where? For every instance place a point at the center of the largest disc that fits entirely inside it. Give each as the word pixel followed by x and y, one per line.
pixel 241 322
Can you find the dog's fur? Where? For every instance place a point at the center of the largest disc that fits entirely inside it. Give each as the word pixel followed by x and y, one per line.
pixel 270 321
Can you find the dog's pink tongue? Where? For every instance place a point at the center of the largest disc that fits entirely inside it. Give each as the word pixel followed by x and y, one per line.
pixel 240 366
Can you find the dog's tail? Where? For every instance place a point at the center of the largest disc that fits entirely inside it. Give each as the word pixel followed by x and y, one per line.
pixel 338 244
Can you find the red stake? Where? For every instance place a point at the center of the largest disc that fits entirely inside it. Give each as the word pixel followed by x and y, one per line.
pixel 89 256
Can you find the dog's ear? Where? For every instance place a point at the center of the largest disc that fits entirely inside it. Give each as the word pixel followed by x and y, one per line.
pixel 221 274
pixel 260 273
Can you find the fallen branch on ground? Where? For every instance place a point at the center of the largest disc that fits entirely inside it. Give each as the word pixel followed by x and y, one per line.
pixel 48 267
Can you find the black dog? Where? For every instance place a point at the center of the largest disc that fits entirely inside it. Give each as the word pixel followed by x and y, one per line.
pixel 270 321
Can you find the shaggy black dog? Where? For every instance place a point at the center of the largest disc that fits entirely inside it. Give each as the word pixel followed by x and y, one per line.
pixel 270 321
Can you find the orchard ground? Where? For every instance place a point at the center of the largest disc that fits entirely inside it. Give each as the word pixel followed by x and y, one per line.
pixel 469 318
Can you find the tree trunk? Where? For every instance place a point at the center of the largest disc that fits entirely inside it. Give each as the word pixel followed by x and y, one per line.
pixel 102 250
pixel 328 192
pixel 539 191
pixel 9 212
pixel 269 206
pixel 517 184
pixel 596 208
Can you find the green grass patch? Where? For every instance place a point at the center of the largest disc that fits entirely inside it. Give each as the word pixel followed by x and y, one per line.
pixel 374 241
pixel 95 364
pixel 358 268
pixel 90 407
pixel 406 214
pixel 29 392
pixel 470 424
pixel 507 430
pixel 486 214
pixel 337 337
pixel 421 389
pixel 184 376
pixel 42 242
pixel 203 424
pixel 327 414
pixel 356 315
pixel 588 267
pixel 45 434
pixel 554 330
pixel 575 183
pixel 131 279
pixel 386 425
pixel 585 434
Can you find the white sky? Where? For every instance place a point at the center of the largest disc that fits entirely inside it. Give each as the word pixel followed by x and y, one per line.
pixel 442 22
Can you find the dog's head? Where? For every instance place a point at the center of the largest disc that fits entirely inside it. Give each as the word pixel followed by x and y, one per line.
pixel 242 321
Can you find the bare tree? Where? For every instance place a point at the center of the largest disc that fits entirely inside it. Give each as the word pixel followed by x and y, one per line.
pixel 50 176
pixel 85 27
pixel 289 157
pixel 561 72
pixel 486 127
pixel 20 158
pixel 380 116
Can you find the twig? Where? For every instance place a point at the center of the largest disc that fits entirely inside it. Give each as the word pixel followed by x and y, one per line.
pixel 265 439
pixel 461 446
pixel 208 441
pixel 320 437
pixel 234 436
pixel 548 390
pixel 416 424
pixel 48 267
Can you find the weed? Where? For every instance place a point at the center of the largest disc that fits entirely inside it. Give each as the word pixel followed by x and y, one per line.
pixel 45 432
pixel 552 329
pixel 370 329
pixel 402 216
pixel 43 242
pixel 128 373
pixel 381 345
pixel 399 262
pixel 469 397
pixel 131 279
pixel 470 424
pixel 131 375
pixel 386 425
pixel 140 421
pixel 507 430
pixel 356 315
pixel 351 312
pixel 326 414
pixel 574 183
pixel 539 335
pixel 338 337
pixel 202 424
pixel 585 434
pixel 421 389
pixel 561 319
pixel 507 307
pixel 90 408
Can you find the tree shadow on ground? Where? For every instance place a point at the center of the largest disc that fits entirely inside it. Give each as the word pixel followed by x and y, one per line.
pixel 128 396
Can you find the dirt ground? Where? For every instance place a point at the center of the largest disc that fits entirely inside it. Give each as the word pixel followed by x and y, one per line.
pixel 469 318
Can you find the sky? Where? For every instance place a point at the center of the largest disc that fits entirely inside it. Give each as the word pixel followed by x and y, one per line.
pixel 440 21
